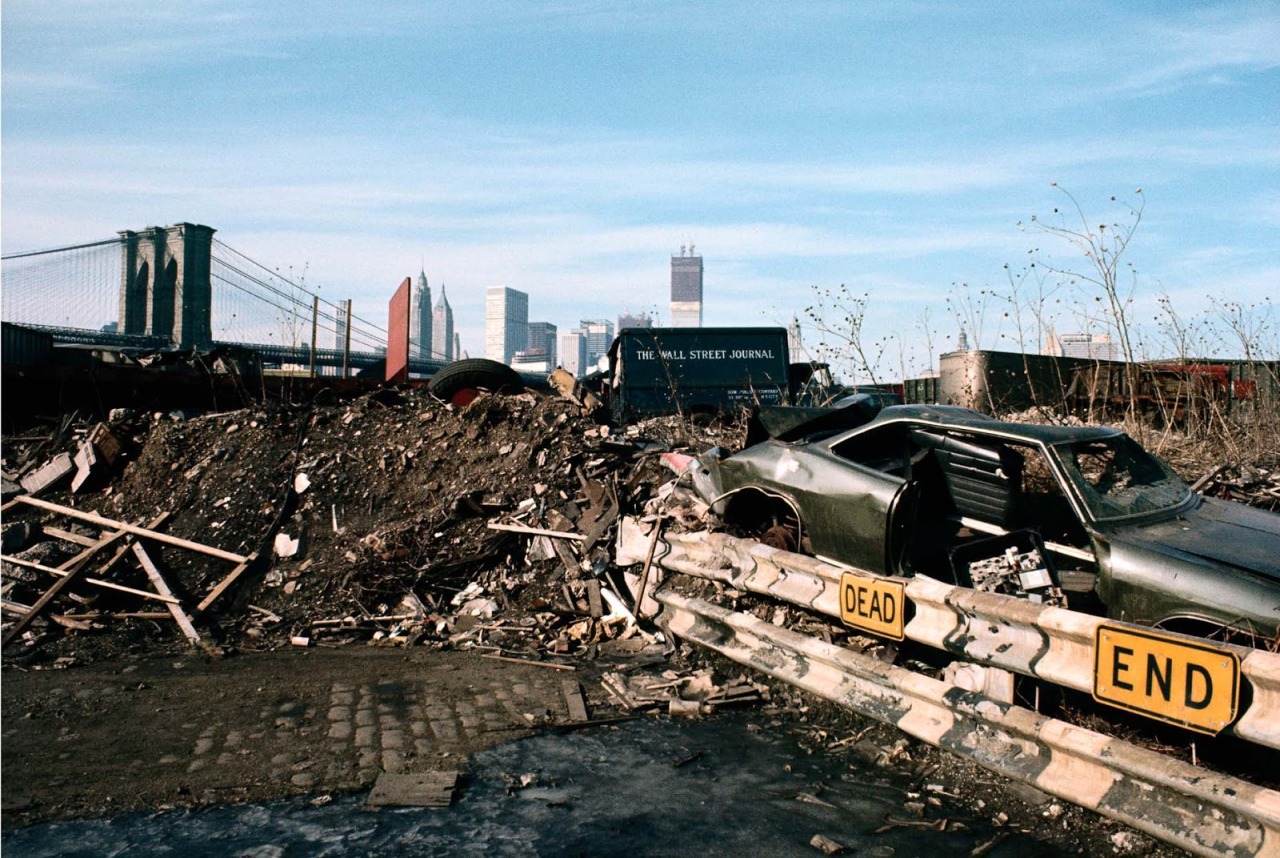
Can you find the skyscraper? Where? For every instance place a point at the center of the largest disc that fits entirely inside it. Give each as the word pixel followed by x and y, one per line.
pixel 573 352
pixel 542 338
pixel 341 321
pixel 506 323
pixel 1082 345
pixel 599 334
pixel 686 289
pixel 420 318
pixel 442 338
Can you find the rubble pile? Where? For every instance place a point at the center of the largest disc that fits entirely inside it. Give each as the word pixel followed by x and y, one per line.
pixel 1254 484
pixel 392 518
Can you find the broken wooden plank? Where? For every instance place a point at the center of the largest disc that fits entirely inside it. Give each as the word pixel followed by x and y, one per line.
pixel 574 700
pixel 157 580
pixel 134 529
pixel 97 582
pixel 594 602
pixel 549 664
pixel 617 687
pixel 535 531
pixel 424 789
pixel 121 551
pixel 67 572
pixel 67 536
pixel 75 623
pixel 226 582
pixel 648 567
pixel 14 607
pixel 569 566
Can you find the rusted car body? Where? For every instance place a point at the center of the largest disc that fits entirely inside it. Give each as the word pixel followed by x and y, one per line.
pixel 920 489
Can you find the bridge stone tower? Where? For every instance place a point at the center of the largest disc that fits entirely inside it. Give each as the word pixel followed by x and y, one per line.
pixel 165 284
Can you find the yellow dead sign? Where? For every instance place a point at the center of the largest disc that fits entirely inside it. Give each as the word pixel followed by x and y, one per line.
pixel 1182 682
pixel 873 605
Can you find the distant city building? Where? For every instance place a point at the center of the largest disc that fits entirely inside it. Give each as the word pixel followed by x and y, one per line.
pixel 506 323
pixel 599 334
pixel 795 341
pixel 457 347
pixel 573 352
pixel 962 342
pixel 341 321
pixel 542 337
pixel 532 360
pixel 643 320
pixel 686 289
pixel 420 318
pixel 1088 346
pixel 443 339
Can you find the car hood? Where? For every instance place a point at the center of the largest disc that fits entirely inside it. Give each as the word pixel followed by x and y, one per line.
pixel 1216 531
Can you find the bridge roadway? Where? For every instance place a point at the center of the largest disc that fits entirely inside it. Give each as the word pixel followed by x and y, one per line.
pixel 274 356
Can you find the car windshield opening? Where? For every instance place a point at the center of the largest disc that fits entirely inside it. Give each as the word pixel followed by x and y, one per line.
pixel 1117 478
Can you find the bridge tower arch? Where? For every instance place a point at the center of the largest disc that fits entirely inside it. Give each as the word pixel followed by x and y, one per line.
pixel 165 283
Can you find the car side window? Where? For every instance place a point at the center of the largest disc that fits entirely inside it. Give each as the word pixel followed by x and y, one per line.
pixel 1044 504
pixel 883 449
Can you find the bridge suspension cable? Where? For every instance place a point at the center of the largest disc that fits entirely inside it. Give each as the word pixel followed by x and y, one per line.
pixel 70 287
pixel 78 288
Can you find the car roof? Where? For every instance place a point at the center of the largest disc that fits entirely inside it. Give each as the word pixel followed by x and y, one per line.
pixel 954 417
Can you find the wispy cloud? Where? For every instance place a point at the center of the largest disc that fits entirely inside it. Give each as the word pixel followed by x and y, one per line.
pixel 1209 47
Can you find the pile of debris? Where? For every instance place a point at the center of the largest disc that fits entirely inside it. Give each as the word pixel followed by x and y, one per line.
pixel 392 518
pixel 1255 485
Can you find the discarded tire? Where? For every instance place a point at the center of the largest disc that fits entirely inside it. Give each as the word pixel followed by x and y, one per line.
pixel 460 381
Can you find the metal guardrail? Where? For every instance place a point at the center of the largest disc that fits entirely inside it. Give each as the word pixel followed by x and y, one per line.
pixel 1202 812
pixel 1053 644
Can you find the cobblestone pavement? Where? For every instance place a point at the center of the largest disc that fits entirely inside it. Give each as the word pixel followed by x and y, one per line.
pixel 104 738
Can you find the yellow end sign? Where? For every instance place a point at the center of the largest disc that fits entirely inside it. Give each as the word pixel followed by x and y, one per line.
pixel 873 605
pixel 1193 685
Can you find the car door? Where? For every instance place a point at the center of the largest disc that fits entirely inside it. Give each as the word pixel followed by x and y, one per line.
pixel 847 508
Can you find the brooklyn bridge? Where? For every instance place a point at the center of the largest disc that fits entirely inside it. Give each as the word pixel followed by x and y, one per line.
pixel 180 288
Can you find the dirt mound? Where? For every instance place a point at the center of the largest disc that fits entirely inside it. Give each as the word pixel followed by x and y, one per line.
pixel 368 518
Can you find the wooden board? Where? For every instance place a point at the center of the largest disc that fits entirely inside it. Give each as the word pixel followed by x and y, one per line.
pixel 179 616
pixel 94 518
pixel 573 698
pixel 424 789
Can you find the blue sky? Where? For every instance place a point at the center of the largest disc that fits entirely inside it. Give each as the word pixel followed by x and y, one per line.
pixel 568 149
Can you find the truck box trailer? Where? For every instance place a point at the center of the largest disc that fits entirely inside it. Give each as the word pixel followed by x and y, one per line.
pixel 692 370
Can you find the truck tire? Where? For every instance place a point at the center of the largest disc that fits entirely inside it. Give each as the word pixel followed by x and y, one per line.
pixel 462 380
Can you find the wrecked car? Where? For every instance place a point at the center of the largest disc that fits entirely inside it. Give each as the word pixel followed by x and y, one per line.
pixel 1030 510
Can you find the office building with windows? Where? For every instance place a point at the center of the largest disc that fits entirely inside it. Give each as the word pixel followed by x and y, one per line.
pixel 506 323
pixel 573 352
pixel 599 335
pixel 542 338
pixel 686 289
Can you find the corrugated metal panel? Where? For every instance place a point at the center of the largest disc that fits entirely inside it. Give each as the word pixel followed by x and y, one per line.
pixel 25 347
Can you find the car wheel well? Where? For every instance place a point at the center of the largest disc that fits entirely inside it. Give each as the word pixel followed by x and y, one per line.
pixel 769 517
pixel 1212 630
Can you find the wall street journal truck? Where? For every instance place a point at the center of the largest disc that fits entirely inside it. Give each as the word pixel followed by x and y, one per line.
pixel 697 370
